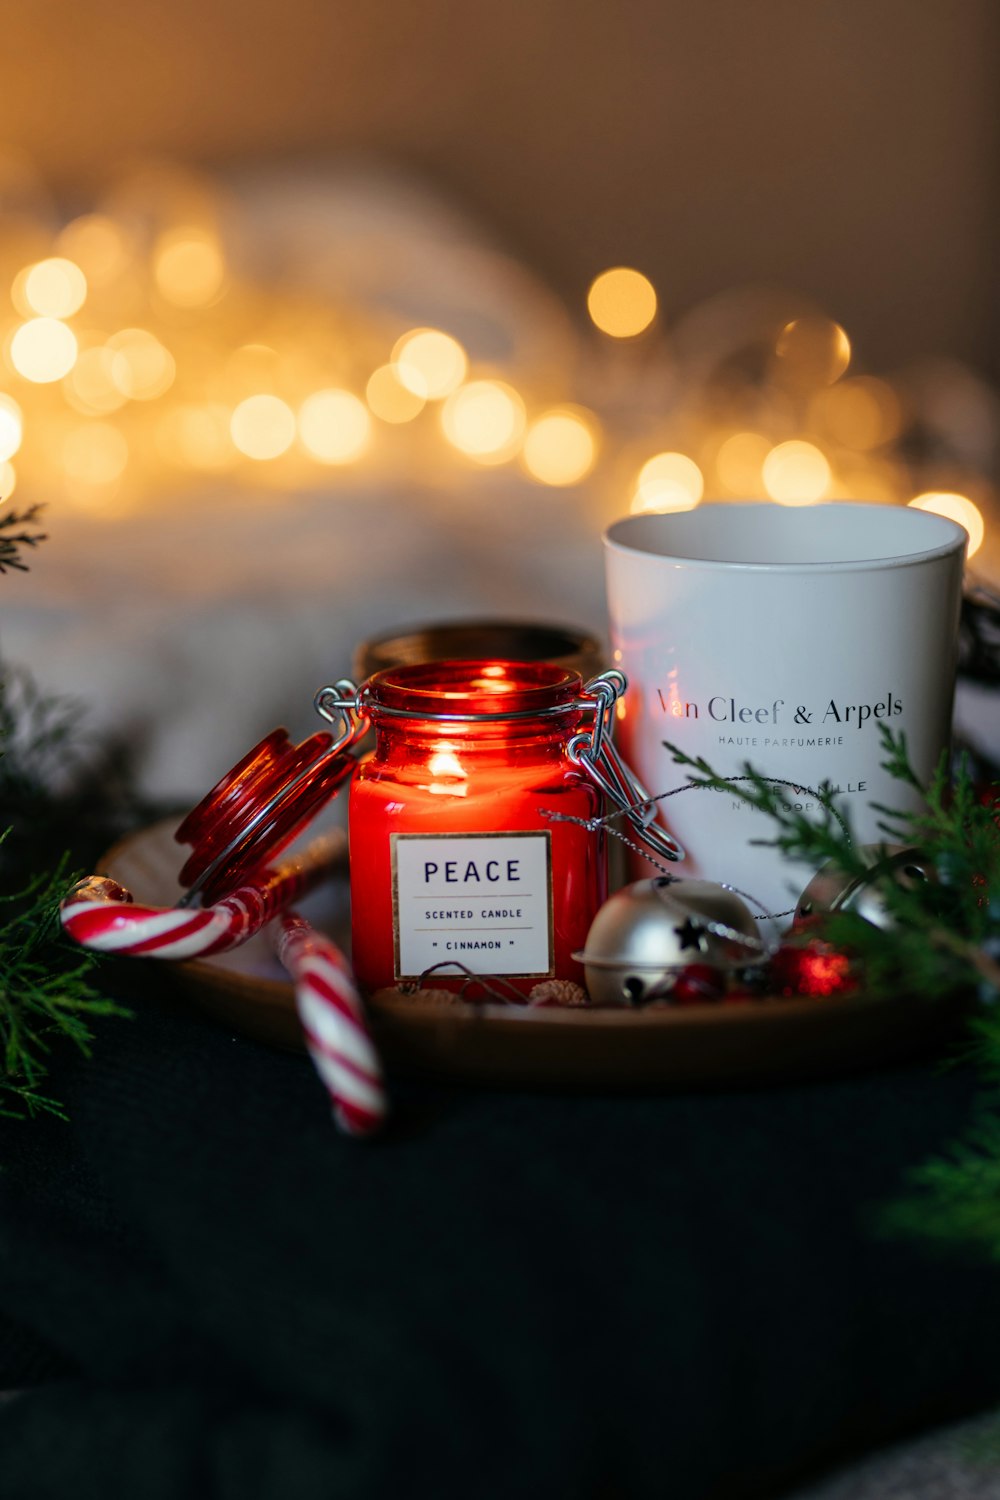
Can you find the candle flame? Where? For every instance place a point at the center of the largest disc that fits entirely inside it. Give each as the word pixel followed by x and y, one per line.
pixel 452 779
pixel 444 762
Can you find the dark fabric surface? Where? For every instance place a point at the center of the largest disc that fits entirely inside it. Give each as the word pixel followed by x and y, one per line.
pixel 207 1292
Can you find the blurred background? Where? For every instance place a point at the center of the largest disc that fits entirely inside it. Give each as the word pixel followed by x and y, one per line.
pixel 306 329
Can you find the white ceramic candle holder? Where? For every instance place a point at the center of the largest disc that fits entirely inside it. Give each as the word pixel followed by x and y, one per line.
pixel 783 637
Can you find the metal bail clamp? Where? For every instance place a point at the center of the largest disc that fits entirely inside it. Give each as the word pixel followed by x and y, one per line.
pixel 339 704
pixel 597 755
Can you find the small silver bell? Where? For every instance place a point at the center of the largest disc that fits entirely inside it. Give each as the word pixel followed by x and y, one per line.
pixel 648 932
pixel 830 890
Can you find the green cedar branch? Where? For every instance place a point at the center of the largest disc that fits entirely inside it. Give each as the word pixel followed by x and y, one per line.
pixel 12 541
pixel 943 934
pixel 46 992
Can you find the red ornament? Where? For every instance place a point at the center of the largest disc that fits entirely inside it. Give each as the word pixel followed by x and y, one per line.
pixel 814 969
pixel 698 984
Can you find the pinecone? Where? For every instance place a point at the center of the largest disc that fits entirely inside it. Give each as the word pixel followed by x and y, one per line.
pixel 558 992
pixel 431 996
pixel 416 993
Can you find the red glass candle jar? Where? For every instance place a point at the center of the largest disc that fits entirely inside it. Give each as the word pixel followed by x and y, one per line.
pixel 456 863
pixel 477 841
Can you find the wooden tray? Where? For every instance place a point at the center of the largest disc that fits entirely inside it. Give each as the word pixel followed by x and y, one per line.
pixel 592 1049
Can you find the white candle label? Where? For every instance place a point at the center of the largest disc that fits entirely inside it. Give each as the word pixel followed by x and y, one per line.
pixel 481 900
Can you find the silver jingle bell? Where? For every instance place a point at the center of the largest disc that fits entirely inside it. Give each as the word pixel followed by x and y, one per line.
pixel 830 890
pixel 647 933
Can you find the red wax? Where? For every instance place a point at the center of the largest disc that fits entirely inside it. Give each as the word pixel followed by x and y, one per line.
pixel 453 859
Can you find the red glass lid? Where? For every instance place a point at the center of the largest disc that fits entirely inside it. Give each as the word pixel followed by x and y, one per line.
pixel 258 808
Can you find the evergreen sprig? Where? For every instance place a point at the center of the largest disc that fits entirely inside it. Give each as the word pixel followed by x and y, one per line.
pixel 943 933
pixel 51 785
pixel 12 541
pixel 46 992
pixel 58 784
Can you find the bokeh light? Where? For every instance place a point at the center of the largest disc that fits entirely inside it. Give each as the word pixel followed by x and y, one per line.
pixel 8 481
pixel 861 413
pixel 739 463
pixel 141 367
pixel 43 350
pixel 97 245
pixel 868 480
pixel 561 446
pixel 956 508
pixel 622 302
pixel 429 363
pixel 52 288
pixel 813 351
pixel 334 426
pixel 139 356
pixel 95 454
pixel 252 368
pixel 11 427
pixel 390 400
pixel 485 420
pixel 197 437
pixel 796 473
pixel 188 267
pixel 668 481
pixel 90 386
pixel 263 427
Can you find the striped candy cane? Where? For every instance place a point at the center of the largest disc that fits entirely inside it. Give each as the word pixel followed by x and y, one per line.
pixel 334 1023
pixel 99 913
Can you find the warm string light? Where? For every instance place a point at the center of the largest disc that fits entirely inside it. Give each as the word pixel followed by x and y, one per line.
pixel 484 419
pixel 389 399
pixel 668 481
pixel 11 428
pixel 739 464
pixel 54 288
pixel 560 447
pixel 334 426
pixel 796 473
pixel 263 427
pixel 43 350
pixel 622 302
pixel 956 508
pixel 135 352
pixel 188 267
pixel 812 351
pixel 429 363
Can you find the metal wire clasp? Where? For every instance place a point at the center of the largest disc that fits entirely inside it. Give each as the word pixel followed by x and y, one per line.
pixel 340 705
pixel 596 755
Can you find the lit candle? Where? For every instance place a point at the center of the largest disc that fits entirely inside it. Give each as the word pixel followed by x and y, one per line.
pixel 454 857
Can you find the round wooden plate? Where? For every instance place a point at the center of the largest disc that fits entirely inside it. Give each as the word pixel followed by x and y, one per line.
pixel 597 1049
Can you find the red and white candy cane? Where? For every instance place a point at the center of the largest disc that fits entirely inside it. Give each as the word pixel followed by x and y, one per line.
pixel 99 913
pixel 235 833
pixel 333 1020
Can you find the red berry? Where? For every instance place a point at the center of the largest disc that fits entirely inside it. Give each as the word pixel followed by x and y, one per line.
pixel 814 969
pixel 698 984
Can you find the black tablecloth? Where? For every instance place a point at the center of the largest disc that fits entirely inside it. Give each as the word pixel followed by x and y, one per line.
pixel 205 1291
